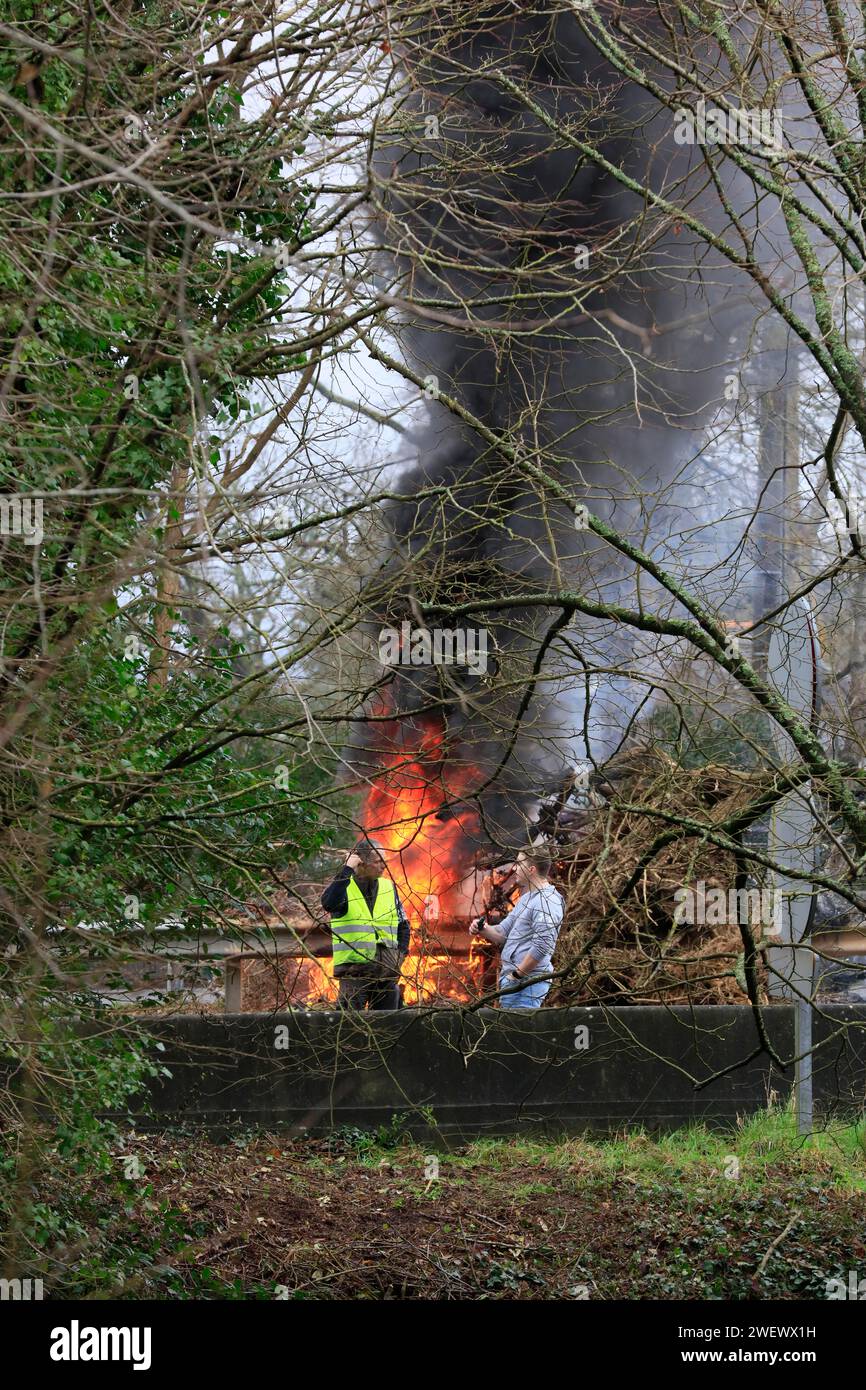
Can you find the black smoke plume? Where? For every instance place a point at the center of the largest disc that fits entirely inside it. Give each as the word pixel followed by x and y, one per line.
pixel 598 367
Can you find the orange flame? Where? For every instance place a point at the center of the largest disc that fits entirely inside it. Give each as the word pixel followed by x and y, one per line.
pixel 418 812
pixel 313 981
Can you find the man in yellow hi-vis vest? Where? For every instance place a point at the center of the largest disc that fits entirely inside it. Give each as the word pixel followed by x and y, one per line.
pixel 369 930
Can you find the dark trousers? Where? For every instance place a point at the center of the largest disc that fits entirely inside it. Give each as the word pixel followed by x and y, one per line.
pixel 371 990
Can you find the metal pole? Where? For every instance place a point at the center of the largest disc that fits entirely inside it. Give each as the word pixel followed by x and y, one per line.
pixel 787 655
pixel 803 1052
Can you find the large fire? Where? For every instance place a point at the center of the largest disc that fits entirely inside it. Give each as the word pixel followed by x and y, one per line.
pixel 427 977
pixel 419 810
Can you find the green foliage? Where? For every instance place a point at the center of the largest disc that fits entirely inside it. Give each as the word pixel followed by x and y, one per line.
pixel 110 326
pixel 137 315
pixel 150 803
pixel 64 1079
pixel 394 1134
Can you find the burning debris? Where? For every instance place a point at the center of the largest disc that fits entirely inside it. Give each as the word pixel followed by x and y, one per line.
pixel 598 830
pixel 452 754
pixel 419 809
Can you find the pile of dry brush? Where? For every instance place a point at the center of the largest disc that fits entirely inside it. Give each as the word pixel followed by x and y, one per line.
pixel 643 955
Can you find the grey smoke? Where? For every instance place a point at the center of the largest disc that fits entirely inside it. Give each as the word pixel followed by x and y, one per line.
pixel 489 216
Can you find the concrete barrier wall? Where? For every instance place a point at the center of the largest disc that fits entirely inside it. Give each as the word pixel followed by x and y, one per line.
pixel 461 1076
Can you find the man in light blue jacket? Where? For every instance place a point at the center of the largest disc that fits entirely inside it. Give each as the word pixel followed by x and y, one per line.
pixel 527 936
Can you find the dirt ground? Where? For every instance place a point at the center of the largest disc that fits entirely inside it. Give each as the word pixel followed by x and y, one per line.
pixel 350 1217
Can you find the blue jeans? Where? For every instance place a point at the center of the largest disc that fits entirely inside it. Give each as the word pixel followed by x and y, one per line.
pixel 529 997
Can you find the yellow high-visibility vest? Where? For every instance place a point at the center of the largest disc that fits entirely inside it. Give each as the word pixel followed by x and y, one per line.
pixel 359 931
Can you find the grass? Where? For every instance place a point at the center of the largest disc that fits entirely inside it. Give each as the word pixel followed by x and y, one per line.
pixel 835 1154
pixel 754 1213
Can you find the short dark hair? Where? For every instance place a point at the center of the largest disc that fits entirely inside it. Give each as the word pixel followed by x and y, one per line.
pixel 539 857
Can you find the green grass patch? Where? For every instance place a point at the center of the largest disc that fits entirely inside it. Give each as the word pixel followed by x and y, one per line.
pixel 749 1154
